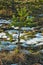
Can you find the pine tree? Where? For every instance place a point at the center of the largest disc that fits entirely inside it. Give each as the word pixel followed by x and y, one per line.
pixel 22 20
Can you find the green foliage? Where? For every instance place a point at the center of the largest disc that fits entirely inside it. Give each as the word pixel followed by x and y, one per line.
pixel 10 36
pixel 40 0
pixel 23 18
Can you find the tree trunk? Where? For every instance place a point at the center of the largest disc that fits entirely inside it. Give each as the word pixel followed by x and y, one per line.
pixel 19 38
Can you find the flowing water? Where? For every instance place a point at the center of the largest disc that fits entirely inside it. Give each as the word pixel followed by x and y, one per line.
pixel 8 45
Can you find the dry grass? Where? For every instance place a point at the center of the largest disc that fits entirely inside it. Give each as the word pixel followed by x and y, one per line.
pixel 1 62
pixel 36 64
pixel 14 57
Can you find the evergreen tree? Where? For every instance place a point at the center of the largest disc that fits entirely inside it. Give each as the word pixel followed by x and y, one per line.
pixel 22 20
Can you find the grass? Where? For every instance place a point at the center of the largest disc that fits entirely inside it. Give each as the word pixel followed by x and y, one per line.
pixel 16 56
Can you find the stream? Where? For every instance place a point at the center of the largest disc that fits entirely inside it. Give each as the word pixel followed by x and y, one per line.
pixel 7 45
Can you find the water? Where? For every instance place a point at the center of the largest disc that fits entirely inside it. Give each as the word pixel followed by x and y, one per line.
pixel 25 43
pixel 5 21
pixel 7 45
pixel 14 64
